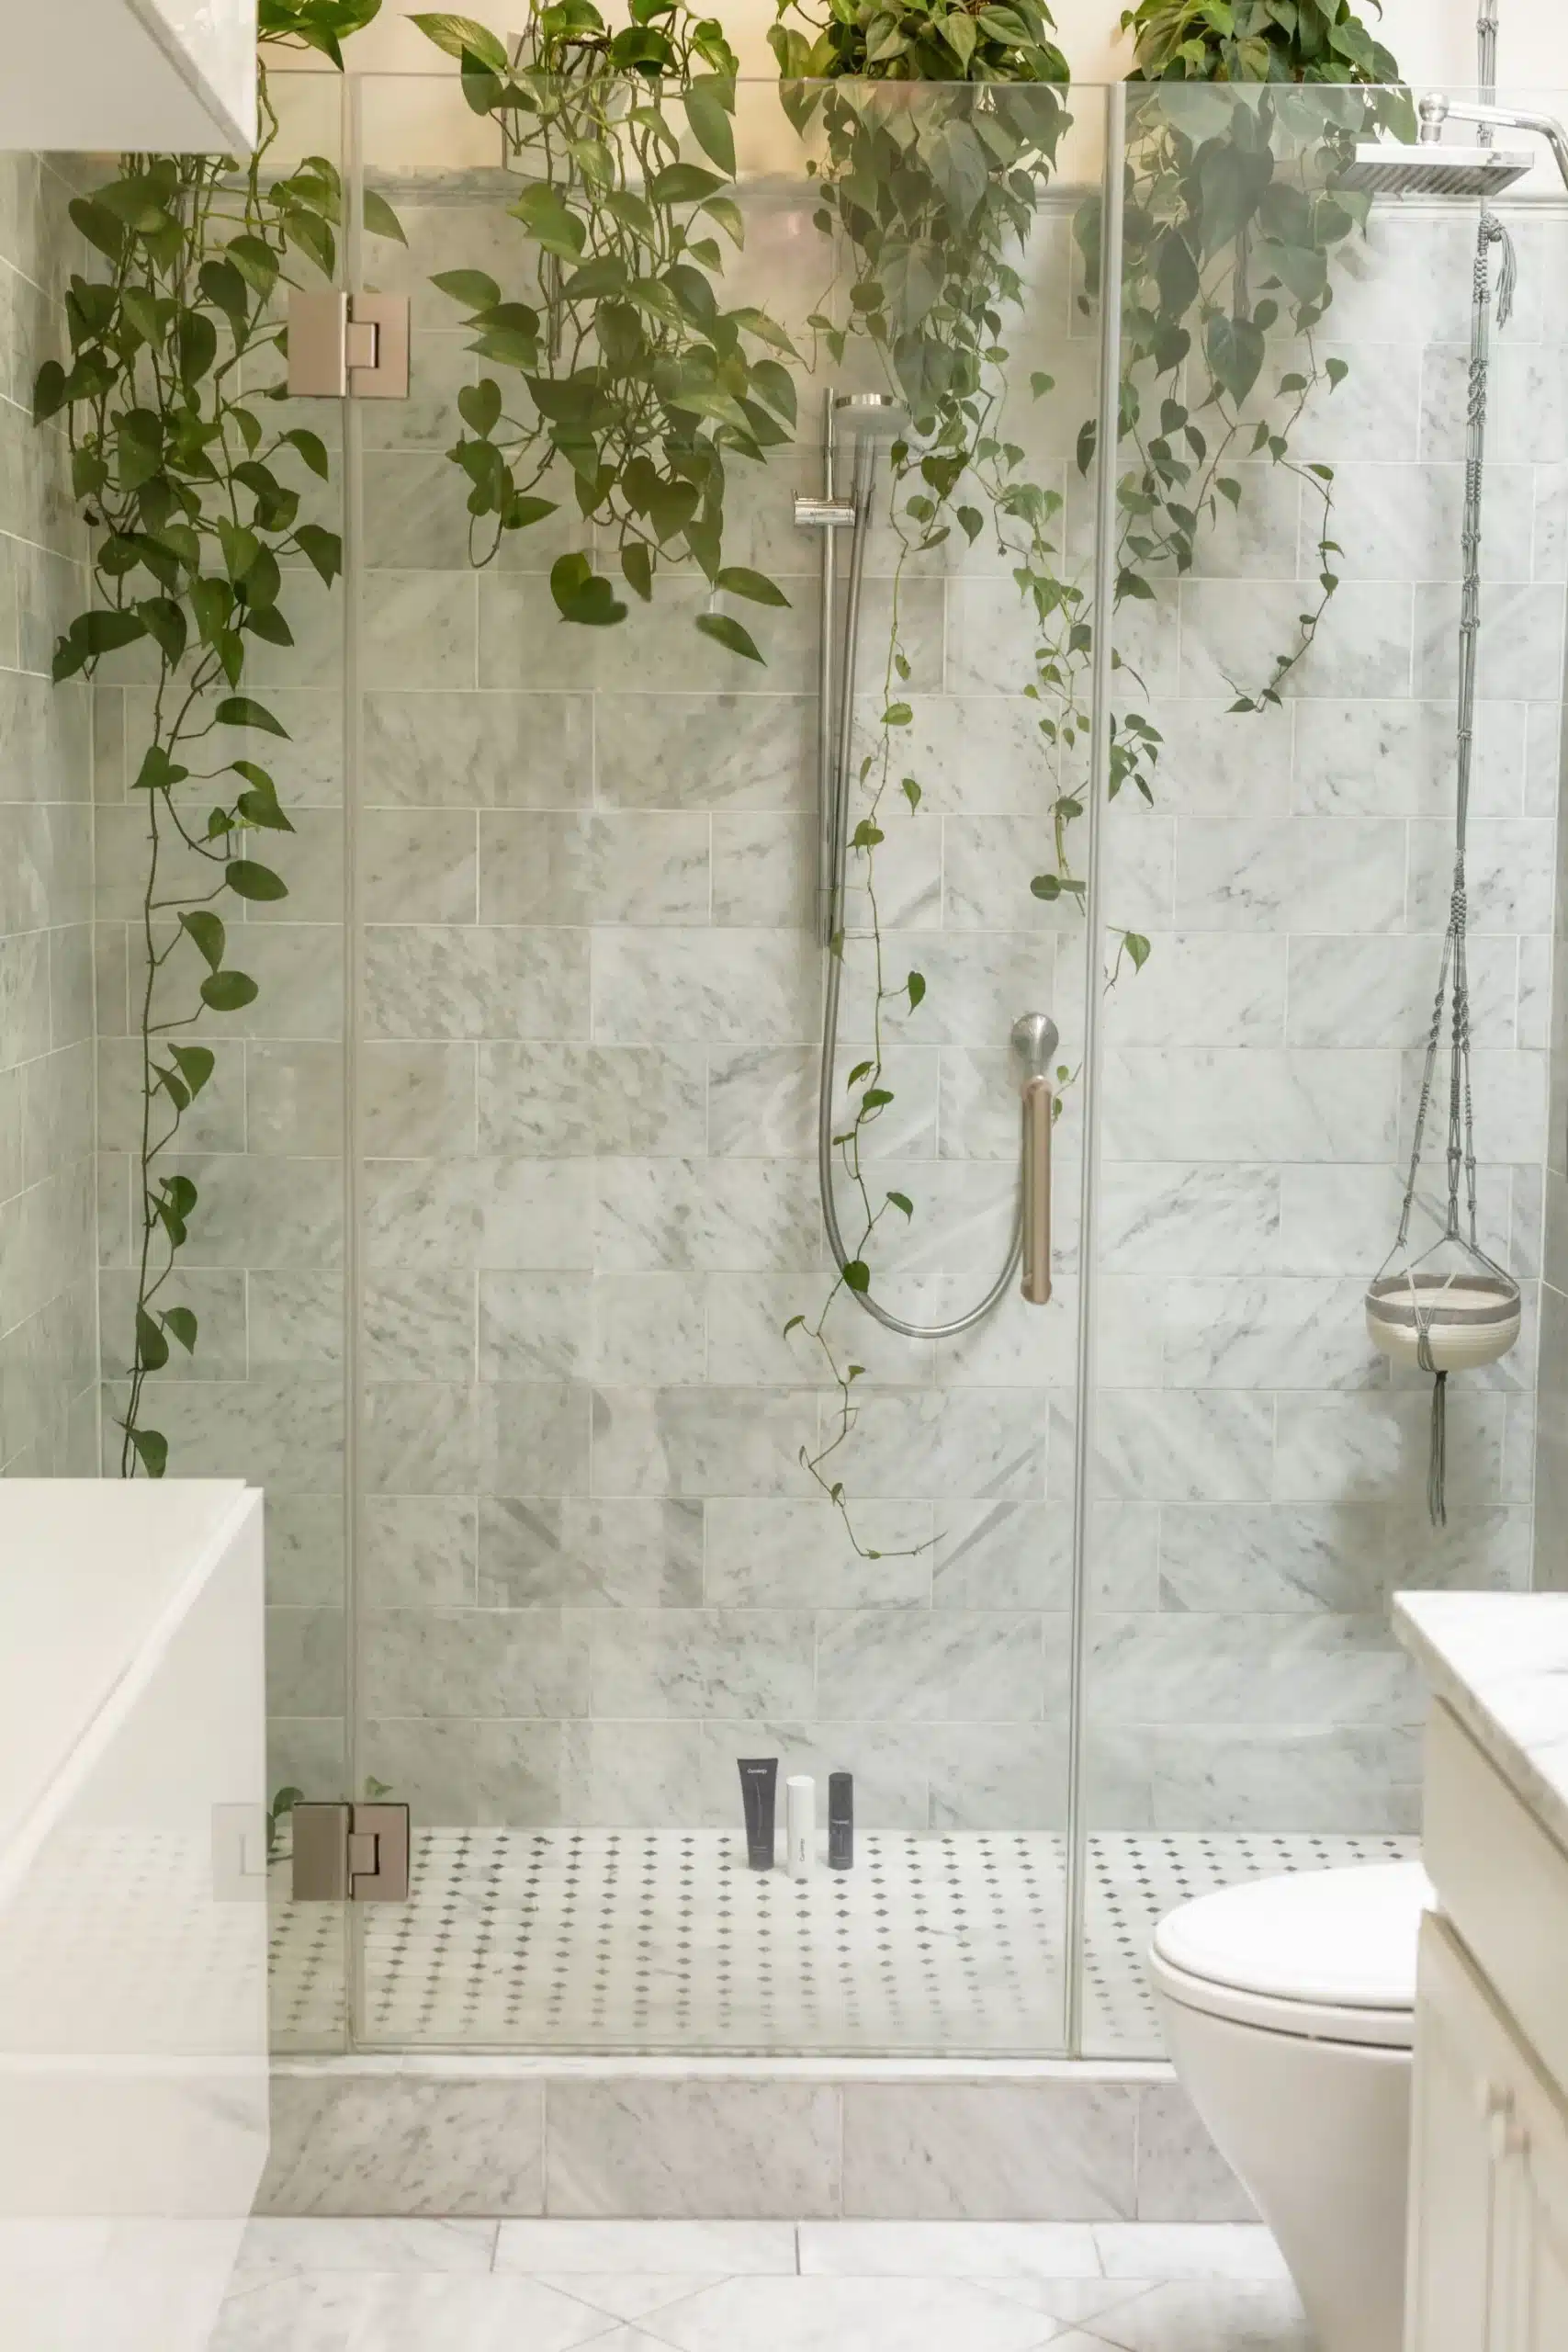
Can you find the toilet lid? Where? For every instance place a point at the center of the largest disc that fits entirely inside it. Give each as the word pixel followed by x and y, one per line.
pixel 1337 1939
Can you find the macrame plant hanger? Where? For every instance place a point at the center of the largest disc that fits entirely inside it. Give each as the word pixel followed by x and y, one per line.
pixel 1452 1306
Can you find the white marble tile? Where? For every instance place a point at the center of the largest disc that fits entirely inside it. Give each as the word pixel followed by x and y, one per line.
pixel 400 2314
pixel 1236 1105
pixel 1180 2171
pixel 1188 2250
pixel 1397 758
pixel 719 2150
pixel 954 2153
pixel 724 2249
pixel 447 2149
pixel 704 987
pixel 1057 2250
pixel 1178 1217
pixel 270 2249
pixel 1199 2315
pixel 813 2314
pixel 1233 631
pixel 684 751
pixel 465 750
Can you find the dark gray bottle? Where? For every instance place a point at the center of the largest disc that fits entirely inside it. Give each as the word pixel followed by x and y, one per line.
pixel 841 1821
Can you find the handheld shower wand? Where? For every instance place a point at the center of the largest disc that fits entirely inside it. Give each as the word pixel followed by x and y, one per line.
pixel 870 417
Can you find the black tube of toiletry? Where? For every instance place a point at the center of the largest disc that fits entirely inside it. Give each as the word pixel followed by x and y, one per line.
pixel 759 1792
pixel 841 1821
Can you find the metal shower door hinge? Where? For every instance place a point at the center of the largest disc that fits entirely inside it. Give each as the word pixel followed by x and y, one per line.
pixel 351 1853
pixel 346 345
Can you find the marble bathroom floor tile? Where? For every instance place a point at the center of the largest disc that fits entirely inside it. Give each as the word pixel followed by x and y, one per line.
pixel 1177 2250
pixel 430 2312
pixel 1053 2250
pixel 1209 2315
pixel 1077 2302
pixel 850 2316
pixel 273 2248
pixel 712 2249
pixel 629 2294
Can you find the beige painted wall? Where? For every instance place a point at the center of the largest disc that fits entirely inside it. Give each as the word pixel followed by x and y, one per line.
pixel 1434 39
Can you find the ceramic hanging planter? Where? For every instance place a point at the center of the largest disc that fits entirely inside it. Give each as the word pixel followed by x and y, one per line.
pixel 1465 1320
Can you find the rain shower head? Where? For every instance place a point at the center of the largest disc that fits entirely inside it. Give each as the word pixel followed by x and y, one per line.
pixel 1384 167
pixel 872 416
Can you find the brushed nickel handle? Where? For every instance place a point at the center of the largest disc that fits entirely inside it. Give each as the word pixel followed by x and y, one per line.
pixel 1038 1120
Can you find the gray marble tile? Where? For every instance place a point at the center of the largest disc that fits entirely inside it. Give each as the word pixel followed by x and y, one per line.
pixel 717 2150
pixel 532 1437
pixel 1335 1777
pixel 705 1216
pixel 492 1772
pixel 1237 1105
pixel 421 1550
pixel 416 1100
pixel 1255 2315
pixel 1368 992
pixel 306 1548
pixel 1376 1445
pixel 1227 1331
pixel 276 2248
pixel 701 1442
pixel 690 1663
pixel 428 980
pixel 1181 2175
pixel 1202 989
pixel 764 870
pixel 488 751
pixel 1507 874
pixel 294 1097
pixel 1266 1670
pixel 419 865
pixel 418 629
pixel 1521 640
pixel 1002 1556
pixel 1395 758
pixel 523 641
pixel 652 2249
pixel 882 2314
pixel 1191 1445
pixel 538 867
pixel 1308 873
pixel 635 1775
pixel 942 1666
pixel 783 1555
pixel 384 2143
pixel 419 1326
pixel 721 987
pixel 1233 631
pixel 443 1661
pixel 305 1661
pixel 569 1552
pixel 963 1443
pixel 724 751
pixel 421 1437
pixel 1000 1777
pixel 1181 1217
pixel 293 1321
pixel 561 1099
pixel 1051 2153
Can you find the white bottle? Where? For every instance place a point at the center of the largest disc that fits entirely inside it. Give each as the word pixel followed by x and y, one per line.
pixel 800 1824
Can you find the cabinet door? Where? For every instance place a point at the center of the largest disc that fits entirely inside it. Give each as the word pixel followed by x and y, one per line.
pixel 1489 2177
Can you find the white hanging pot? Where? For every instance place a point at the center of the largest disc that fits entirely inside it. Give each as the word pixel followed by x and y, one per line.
pixel 1468 1319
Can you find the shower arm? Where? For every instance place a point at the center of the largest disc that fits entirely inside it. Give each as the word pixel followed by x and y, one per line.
pixel 1035 1036
pixel 1437 111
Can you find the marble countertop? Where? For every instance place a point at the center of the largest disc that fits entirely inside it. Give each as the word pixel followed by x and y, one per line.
pixel 1500 1661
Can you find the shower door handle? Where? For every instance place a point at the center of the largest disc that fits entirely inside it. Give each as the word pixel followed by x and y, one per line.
pixel 1038 1119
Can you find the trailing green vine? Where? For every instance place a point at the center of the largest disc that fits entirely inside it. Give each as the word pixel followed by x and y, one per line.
pixel 630 382
pixel 194 504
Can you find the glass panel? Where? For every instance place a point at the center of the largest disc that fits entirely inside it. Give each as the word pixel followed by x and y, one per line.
pixel 610 1543
pixel 1292 484
pixel 250 1167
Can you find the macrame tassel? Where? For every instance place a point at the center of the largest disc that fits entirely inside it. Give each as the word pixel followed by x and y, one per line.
pixel 1437 1468
pixel 1507 277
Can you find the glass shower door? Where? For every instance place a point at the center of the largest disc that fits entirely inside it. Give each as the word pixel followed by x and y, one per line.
pixel 644 1492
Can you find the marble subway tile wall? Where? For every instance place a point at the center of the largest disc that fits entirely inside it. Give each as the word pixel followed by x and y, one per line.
pixel 47 1249
pixel 262 1395
pixel 595 1571
pixel 1260 1475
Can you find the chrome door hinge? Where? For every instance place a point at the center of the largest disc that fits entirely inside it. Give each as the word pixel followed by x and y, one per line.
pixel 351 1853
pixel 348 346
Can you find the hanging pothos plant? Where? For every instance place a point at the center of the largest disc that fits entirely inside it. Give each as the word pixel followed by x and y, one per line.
pixel 191 493
pixel 1229 222
pixel 1232 220
pixel 623 383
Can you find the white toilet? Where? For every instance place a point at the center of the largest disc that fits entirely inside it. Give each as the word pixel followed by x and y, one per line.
pixel 1289 2008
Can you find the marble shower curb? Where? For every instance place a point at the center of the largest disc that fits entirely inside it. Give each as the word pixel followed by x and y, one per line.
pixel 791 2140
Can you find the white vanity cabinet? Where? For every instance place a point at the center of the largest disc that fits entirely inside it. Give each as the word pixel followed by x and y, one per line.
pixel 1488 2249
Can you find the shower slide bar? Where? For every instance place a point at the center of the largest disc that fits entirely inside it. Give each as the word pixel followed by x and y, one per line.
pixel 867 419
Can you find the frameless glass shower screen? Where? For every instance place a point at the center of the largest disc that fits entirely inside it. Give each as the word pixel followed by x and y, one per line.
pixel 1297 374
pixel 644 1490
